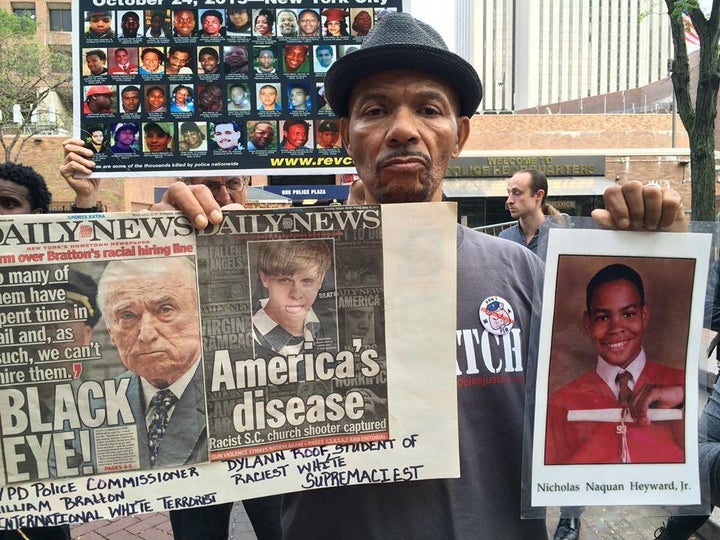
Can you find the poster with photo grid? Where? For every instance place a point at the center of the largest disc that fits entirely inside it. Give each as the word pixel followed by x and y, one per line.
pixel 208 87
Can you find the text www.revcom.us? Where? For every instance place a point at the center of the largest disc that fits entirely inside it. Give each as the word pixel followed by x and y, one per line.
pixel 321 161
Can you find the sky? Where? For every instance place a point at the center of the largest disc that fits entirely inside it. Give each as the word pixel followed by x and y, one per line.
pixel 427 11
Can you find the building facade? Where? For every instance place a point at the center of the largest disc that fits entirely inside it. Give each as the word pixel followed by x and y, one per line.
pixel 531 53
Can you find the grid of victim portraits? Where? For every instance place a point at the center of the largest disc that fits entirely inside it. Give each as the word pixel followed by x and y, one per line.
pixel 214 80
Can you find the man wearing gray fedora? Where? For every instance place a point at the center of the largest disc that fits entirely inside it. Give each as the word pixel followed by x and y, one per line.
pixel 404 101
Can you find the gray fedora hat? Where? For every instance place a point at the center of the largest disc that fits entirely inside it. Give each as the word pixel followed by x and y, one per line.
pixel 400 41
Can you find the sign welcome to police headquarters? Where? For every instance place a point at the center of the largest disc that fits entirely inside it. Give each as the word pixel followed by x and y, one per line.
pixel 172 86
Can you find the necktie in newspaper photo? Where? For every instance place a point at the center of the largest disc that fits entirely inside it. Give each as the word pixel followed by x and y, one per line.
pixel 160 403
pixel 624 397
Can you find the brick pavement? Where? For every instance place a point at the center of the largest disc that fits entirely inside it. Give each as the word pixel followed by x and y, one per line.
pixel 154 527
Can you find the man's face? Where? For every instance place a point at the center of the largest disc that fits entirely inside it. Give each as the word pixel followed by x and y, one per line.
pixel 100 24
pixel 291 297
pixel 156 21
pixel 121 57
pixel 363 22
pixel 211 25
pixel 14 198
pixel 287 23
pixel 102 101
pixel 208 62
pixel 268 96
pixel 97 137
pixel 295 55
pixel 309 24
pixel 262 135
pixel 266 60
pixel 296 136
pixel 157 141
pixel 324 57
pixel 131 101
pixel 155 99
pixel 125 138
pixel 210 99
pixel 616 322
pixel 236 56
pixel 177 61
pixel 130 25
pixel 521 202
pixel 359 321
pixel 237 95
pixel 192 138
pixel 153 322
pixel 226 137
pixel 402 132
pixel 298 98
pixel 151 61
pixel 184 22
pixel 225 189
pixel 328 139
pixel 94 64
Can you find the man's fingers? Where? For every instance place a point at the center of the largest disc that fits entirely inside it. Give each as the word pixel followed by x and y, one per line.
pixel 196 202
pixel 634 206
pixel 652 195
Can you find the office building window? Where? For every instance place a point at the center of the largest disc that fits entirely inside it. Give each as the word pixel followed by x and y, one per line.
pixel 25 12
pixel 60 20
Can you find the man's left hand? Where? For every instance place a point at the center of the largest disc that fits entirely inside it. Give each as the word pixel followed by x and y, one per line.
pixel 633 206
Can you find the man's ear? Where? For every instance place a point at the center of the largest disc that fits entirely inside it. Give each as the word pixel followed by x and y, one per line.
pixel 463 132
pixel 264 279
pixel 345 133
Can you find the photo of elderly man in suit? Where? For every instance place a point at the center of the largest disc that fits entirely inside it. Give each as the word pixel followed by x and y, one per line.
pixel 151 314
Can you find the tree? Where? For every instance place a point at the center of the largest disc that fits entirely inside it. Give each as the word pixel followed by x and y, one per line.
pixel 698 117
pixel 31 74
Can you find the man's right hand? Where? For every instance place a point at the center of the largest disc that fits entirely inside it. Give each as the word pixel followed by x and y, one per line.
pixel 75 169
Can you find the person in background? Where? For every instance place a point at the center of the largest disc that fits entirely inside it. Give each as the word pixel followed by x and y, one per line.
pixel 261 136
pixel 266 63
pixel 210 98
pixel 238 98
pixel 193 139
pixel 335 22
pixel 152 61
pixel 209 61
pixel 99 100
pixel 182 101
pixel 95 60
pixel 97 139
pixel 309 21
pixel 99 25
pixel 264 23
pixel 157 27
pixel 527 191
pixel 130 25
pixel 211 22
pixel 238 22
pixel 23 191
pixel 157 138
pixel 296 134
pixel 125 142
pixel 287 23
pixel 155 100
pixel 184 23
pixel 123 66
pixel 130 99
pixel 177 61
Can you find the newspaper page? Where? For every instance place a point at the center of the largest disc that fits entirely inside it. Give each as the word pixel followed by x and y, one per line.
pixel 294 356
pixel 164 87
pixel 621 327
pixel 101 313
